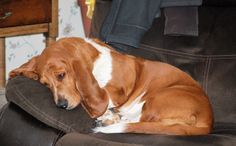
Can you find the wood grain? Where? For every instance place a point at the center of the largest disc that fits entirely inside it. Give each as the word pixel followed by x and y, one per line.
pixel 25 12
pixel 52 33
pixel 24 30
pixel 2 62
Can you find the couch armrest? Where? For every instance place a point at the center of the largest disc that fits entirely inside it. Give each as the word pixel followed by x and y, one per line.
pixel 77 139
pixel 27 131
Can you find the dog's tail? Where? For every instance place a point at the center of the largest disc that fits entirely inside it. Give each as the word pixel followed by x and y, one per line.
pixel 154 128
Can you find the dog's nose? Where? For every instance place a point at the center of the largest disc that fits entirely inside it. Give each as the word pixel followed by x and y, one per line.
pixel 62 103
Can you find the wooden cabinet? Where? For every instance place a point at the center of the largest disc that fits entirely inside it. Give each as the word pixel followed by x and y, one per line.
pixel 24 12
pixel 22 17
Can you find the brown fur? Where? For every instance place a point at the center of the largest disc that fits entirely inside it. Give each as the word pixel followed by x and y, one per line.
pixel 174 102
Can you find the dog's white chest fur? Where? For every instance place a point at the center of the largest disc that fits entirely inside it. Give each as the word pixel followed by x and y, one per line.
pixel 127 114
pixel 102 68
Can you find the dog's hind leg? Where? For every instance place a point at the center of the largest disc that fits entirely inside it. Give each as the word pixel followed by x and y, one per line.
pixel 159 128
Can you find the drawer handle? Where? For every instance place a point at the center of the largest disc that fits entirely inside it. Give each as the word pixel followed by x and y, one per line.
pixel 7 14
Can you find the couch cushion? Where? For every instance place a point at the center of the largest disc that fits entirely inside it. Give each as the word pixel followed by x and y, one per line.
pixel 17 128
pixel 76 139
pixel 37 100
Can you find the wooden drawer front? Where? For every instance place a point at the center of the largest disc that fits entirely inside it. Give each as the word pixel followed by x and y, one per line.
pixel 24 12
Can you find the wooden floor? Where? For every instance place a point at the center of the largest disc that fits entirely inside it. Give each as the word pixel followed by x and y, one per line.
pixel 2 98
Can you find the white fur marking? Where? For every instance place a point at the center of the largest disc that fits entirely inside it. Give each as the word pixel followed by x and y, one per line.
pixel 110 104
pixel 114 128
pixel 132 112
pixel 102 68
pixel 129 114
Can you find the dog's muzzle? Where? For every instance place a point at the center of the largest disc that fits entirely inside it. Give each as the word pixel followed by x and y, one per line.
pixel 62 103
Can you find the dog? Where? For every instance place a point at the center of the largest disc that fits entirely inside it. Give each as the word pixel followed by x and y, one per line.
pixel 125 94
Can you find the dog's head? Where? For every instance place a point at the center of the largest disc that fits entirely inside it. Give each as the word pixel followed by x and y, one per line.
pixel 66 69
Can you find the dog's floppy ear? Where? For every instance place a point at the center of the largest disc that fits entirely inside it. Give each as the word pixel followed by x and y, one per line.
pixel 94 98
pixel 28 69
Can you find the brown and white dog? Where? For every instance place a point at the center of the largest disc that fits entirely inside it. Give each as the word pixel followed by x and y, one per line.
pixel 126 94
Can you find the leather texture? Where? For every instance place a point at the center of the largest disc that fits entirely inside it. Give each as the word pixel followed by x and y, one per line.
pixel 76 139
pixel 38 101
pixel 17 128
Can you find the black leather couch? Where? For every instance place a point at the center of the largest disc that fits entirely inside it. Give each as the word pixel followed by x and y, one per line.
pixel 31 118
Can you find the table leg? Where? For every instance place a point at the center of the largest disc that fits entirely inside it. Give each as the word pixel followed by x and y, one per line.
pixel 53 26
pixel 2 63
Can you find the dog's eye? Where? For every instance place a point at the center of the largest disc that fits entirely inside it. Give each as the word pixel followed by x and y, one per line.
pixel 61 76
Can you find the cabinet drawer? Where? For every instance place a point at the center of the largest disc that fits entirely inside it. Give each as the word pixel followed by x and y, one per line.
pixel 24 12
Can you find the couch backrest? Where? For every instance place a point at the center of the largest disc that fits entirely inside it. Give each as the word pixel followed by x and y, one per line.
pixel 219 2
pixel 210 58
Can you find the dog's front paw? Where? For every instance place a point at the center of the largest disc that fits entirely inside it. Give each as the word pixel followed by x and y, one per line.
pixel 106 122
pixel 108 118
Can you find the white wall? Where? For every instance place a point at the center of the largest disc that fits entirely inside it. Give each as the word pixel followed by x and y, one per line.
pixel 22 48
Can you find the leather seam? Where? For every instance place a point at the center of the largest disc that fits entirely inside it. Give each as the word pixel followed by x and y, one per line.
pixel 207 74
pixel 59 135
pixel 183 54
pixel 204 74
pixel 3 110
